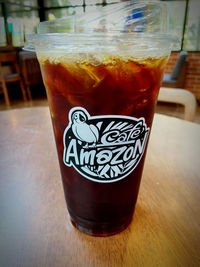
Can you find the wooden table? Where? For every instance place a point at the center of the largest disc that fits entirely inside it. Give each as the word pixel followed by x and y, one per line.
pixel 34 224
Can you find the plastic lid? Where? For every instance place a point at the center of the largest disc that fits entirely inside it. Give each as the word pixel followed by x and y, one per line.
pixel 139 24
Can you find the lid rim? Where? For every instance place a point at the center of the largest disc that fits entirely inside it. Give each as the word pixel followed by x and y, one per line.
pixel 94 35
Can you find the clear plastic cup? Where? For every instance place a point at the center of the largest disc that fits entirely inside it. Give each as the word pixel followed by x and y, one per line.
pixel 102 86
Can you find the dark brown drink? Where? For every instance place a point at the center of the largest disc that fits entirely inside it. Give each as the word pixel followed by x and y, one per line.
pixel 102 110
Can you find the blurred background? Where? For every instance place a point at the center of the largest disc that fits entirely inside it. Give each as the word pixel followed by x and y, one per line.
pixel 19 17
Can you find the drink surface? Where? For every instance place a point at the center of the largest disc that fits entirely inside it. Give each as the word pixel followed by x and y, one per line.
pixel 103 85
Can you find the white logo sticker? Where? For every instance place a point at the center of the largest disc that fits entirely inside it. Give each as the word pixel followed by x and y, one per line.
pixel 103 148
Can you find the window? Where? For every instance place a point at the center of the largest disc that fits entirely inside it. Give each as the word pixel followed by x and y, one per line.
pixel 184 22
pixel 21 18
pixel 62 3
pixel 56 13
pixel 3 40
pixel 176 16
pixel 192 30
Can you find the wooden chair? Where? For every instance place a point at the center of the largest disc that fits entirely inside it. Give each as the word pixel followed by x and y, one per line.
pixel 176 79
pixel 30 70
pixel 180 96
pixel 10 59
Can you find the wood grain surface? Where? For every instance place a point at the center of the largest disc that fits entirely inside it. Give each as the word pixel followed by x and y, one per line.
pixel 34 225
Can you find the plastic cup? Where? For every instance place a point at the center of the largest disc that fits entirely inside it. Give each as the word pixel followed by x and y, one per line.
pixel 102 89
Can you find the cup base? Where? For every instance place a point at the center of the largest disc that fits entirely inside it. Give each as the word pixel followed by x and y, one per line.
pixel 99 229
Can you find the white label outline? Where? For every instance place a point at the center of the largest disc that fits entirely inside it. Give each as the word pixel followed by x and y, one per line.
pixel 103 117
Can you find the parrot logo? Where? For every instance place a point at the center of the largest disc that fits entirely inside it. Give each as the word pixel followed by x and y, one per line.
pixel 84 131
